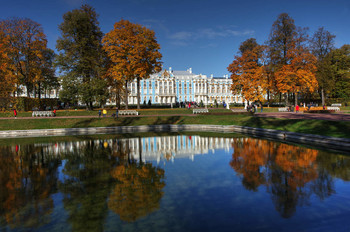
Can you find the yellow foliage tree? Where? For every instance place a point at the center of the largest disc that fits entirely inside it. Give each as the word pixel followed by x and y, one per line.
pixel 134 53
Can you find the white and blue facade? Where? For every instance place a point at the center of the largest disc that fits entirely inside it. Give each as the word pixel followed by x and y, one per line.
pixel 171 86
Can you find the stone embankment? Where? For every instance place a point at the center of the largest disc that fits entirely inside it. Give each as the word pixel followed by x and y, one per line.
pixel 342 144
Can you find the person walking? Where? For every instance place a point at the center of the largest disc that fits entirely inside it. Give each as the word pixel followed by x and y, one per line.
pixel 99 113
pixel 15 113
pixel 104 112
pixel 297 108
pixel 116 112
pixel 261 107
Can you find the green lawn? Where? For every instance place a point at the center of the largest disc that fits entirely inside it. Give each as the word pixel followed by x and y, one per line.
pixel 322 127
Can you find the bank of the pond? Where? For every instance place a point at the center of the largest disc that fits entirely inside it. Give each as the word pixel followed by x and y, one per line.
pixel 340 129
pixel 317 140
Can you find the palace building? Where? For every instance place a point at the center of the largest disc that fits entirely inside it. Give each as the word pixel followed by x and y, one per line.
pixel 170 86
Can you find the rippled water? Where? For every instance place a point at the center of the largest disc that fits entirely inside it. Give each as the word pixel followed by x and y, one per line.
pixel 172 183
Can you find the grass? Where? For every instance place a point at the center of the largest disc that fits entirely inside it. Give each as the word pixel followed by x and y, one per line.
pixel 321 127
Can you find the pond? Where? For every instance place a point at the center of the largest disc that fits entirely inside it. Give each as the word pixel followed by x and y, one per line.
pixel 174 182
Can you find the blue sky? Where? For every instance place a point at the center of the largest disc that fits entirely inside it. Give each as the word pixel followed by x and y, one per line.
pixel 202 34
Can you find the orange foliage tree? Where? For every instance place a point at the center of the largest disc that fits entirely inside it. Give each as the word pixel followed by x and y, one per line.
pixel 7 80
pixel 299 75
pixel 248 74
pixel 26 46
pixel 134 53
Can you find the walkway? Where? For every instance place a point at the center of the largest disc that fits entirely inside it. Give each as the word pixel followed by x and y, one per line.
pixel 288 115
pixel 291 115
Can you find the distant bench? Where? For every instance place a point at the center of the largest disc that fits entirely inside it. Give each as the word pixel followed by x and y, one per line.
pixel 336 104
pixel 42 114
pixel 333 108
pixel 200 111
pixel 128 112
pixel 239 110
pixel 283 109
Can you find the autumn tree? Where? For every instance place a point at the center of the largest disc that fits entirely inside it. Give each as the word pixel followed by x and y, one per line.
pixel 322 43
pixel 298 75
pixel 7 78
pixel 26 45
pixel 81 58
pixel 248 72
pixel 134 54
pixel 292 64
pixel 281 37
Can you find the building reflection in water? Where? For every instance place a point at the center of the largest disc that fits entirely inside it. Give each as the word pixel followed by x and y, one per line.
pixel 151 148
pixel 93 177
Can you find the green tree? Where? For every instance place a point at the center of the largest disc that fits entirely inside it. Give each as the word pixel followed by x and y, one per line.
pixel 322 43
pixel 81 56
pixel 69 91
pixel 337 66
pixel 49 79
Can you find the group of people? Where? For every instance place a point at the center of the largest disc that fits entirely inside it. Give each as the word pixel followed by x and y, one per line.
pixel 104 113
pixel 254 107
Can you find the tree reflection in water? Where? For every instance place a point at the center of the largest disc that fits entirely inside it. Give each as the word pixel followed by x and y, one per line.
pixel 138 188
pixel 28 177
pixel 95 177
pixel 291 174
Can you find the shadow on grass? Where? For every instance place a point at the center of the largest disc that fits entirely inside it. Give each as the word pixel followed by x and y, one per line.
pixel 128 121
pixel 84 123
pixel 167 120
pixel 310 126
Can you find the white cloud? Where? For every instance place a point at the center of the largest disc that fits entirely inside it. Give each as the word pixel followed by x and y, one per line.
pixel 209 33
pixel 182 35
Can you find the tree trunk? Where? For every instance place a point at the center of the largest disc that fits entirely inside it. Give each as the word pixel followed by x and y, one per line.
pixel 280 97
pixel 287 98
pixel 28 91
pixel 126 95
pixel 268 98
pixel 138 92
pixel 322 97
pixel 39 91
pixel 296 98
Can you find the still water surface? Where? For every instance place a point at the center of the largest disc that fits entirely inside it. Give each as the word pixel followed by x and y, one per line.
pixel 172 183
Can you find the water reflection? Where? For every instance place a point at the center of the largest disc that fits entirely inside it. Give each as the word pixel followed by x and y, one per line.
pixel 82 182
pixel 290 174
